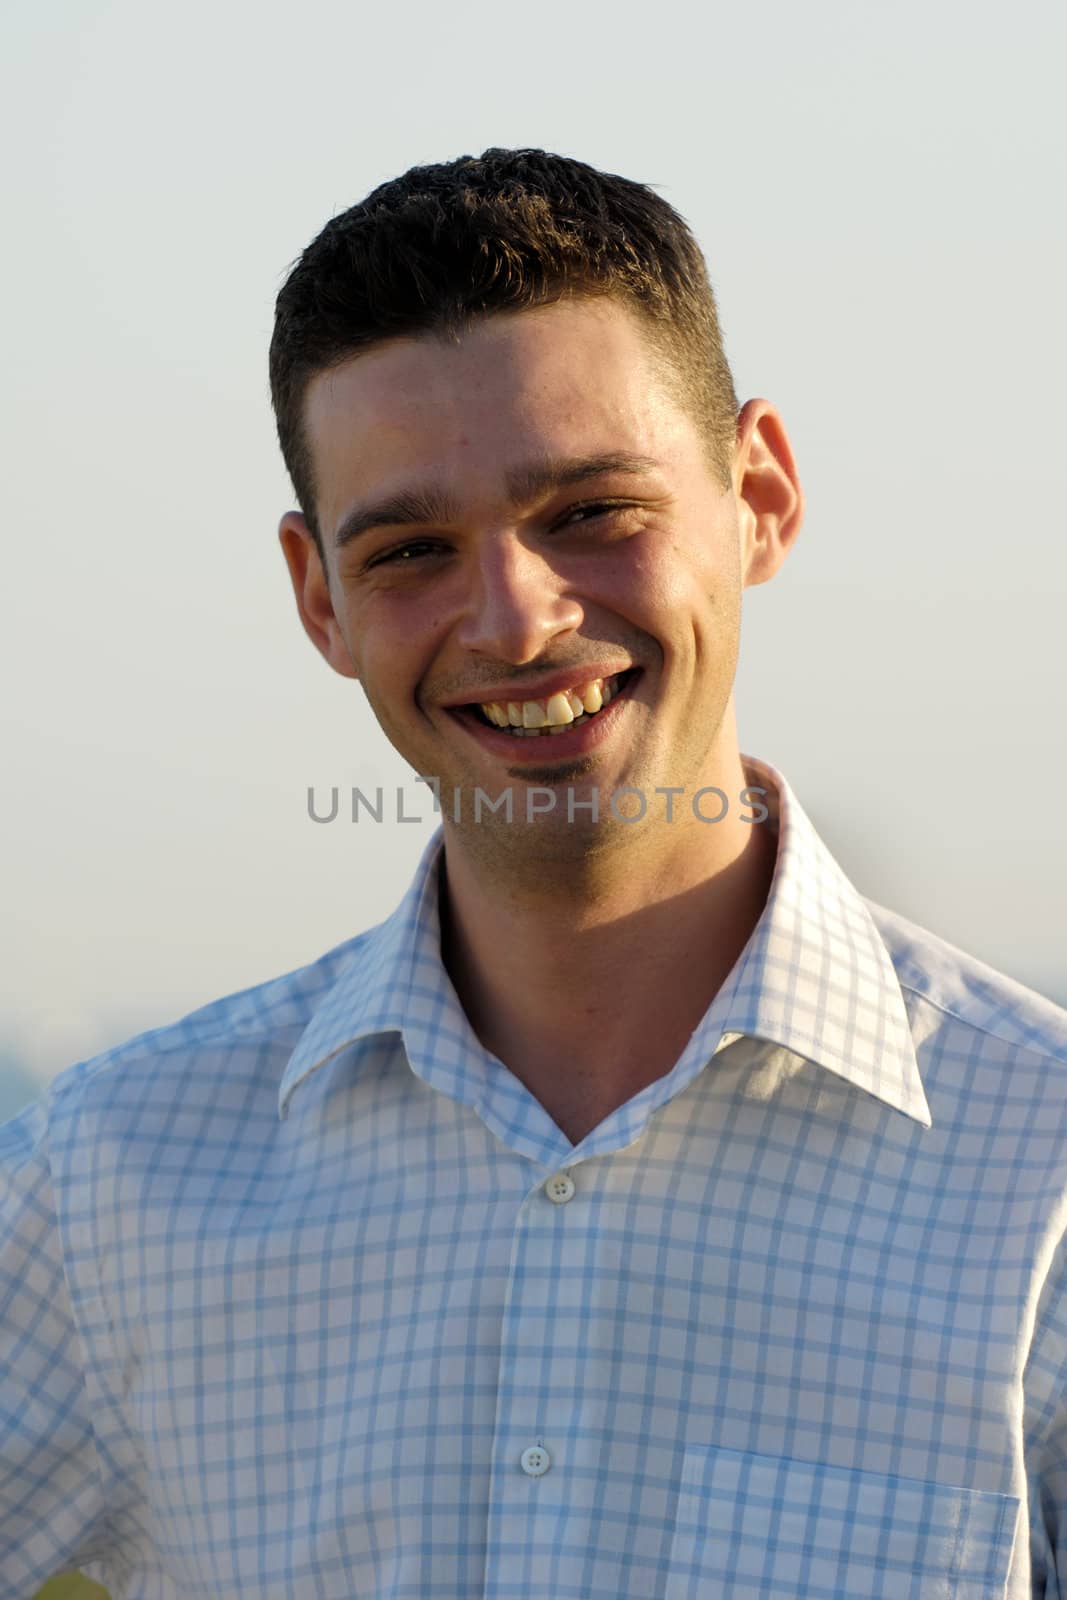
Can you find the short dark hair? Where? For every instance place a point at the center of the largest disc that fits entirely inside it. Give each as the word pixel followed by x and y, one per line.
pixel 434 249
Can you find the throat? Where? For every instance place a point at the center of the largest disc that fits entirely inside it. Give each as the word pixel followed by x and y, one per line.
pixel 589 997
pixel 579 1100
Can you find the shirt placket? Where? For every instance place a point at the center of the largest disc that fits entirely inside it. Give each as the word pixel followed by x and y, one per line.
pixel 544 1460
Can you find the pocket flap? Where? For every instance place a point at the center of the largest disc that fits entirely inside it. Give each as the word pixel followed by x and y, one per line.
pixel 749 1526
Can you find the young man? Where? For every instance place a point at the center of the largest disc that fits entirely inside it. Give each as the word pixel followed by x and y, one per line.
pixel 639 1211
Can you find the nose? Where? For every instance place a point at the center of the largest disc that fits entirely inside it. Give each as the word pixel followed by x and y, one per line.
pixel 516 605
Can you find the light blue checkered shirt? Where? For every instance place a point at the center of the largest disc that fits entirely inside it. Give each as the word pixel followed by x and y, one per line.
pixel 306 1296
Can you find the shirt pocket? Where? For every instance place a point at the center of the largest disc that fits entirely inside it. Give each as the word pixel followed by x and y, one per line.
pixel 751 1526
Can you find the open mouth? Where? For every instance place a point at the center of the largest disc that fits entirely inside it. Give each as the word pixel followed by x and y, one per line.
pixel 560 712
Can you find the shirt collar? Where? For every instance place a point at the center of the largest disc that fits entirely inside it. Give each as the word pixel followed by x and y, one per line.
pixel 815 976
pixel 375 992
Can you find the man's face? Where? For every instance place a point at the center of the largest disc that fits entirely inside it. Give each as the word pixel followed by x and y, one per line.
pixel 537 515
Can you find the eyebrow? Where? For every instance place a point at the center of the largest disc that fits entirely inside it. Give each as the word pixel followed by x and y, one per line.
pixel 409 507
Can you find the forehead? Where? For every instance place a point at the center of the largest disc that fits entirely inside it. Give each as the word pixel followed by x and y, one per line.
pixel 574 377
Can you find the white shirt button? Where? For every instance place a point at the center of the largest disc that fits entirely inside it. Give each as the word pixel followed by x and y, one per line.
pixel 559 1188
pixel 535 1461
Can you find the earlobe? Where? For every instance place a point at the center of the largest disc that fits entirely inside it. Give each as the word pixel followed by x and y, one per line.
pixel 768 492
pixel 311 589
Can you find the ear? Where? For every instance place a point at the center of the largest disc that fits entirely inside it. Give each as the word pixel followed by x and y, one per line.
pixel 312 591
pixel 770 501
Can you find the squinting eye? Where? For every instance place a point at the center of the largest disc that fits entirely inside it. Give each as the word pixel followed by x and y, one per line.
pixel 403 553
pixel 593 509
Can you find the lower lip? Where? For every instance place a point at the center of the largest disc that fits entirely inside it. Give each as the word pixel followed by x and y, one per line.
pixel 550 746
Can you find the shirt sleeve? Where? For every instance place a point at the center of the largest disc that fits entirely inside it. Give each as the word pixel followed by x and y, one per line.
pixel 1046 1435
pixel 52 1513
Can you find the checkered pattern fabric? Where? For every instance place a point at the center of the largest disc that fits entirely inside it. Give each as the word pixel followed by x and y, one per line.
pixel 306 1295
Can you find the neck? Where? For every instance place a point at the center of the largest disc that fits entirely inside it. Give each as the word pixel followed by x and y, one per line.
pixel 588 984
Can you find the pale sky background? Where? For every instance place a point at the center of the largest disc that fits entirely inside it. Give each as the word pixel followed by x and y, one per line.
pixel 878 189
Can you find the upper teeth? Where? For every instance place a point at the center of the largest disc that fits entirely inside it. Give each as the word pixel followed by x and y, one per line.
pixel 567 705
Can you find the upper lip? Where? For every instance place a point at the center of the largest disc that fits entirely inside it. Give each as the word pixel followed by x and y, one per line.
pixel 542 689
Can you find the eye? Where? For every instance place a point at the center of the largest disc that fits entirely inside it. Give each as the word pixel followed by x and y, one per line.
pixel 589 511
pixel 404 554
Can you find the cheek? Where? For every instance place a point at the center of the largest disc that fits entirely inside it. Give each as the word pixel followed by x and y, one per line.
pixel 686 585
pixel 641 579
pixel 392 637
pixel 698 604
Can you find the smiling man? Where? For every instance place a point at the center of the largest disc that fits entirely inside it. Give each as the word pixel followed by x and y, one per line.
pixel 522 517
pixel 639 1211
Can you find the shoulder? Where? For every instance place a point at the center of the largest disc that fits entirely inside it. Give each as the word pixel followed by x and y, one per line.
pixel 222 1053
pixel 973 1000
